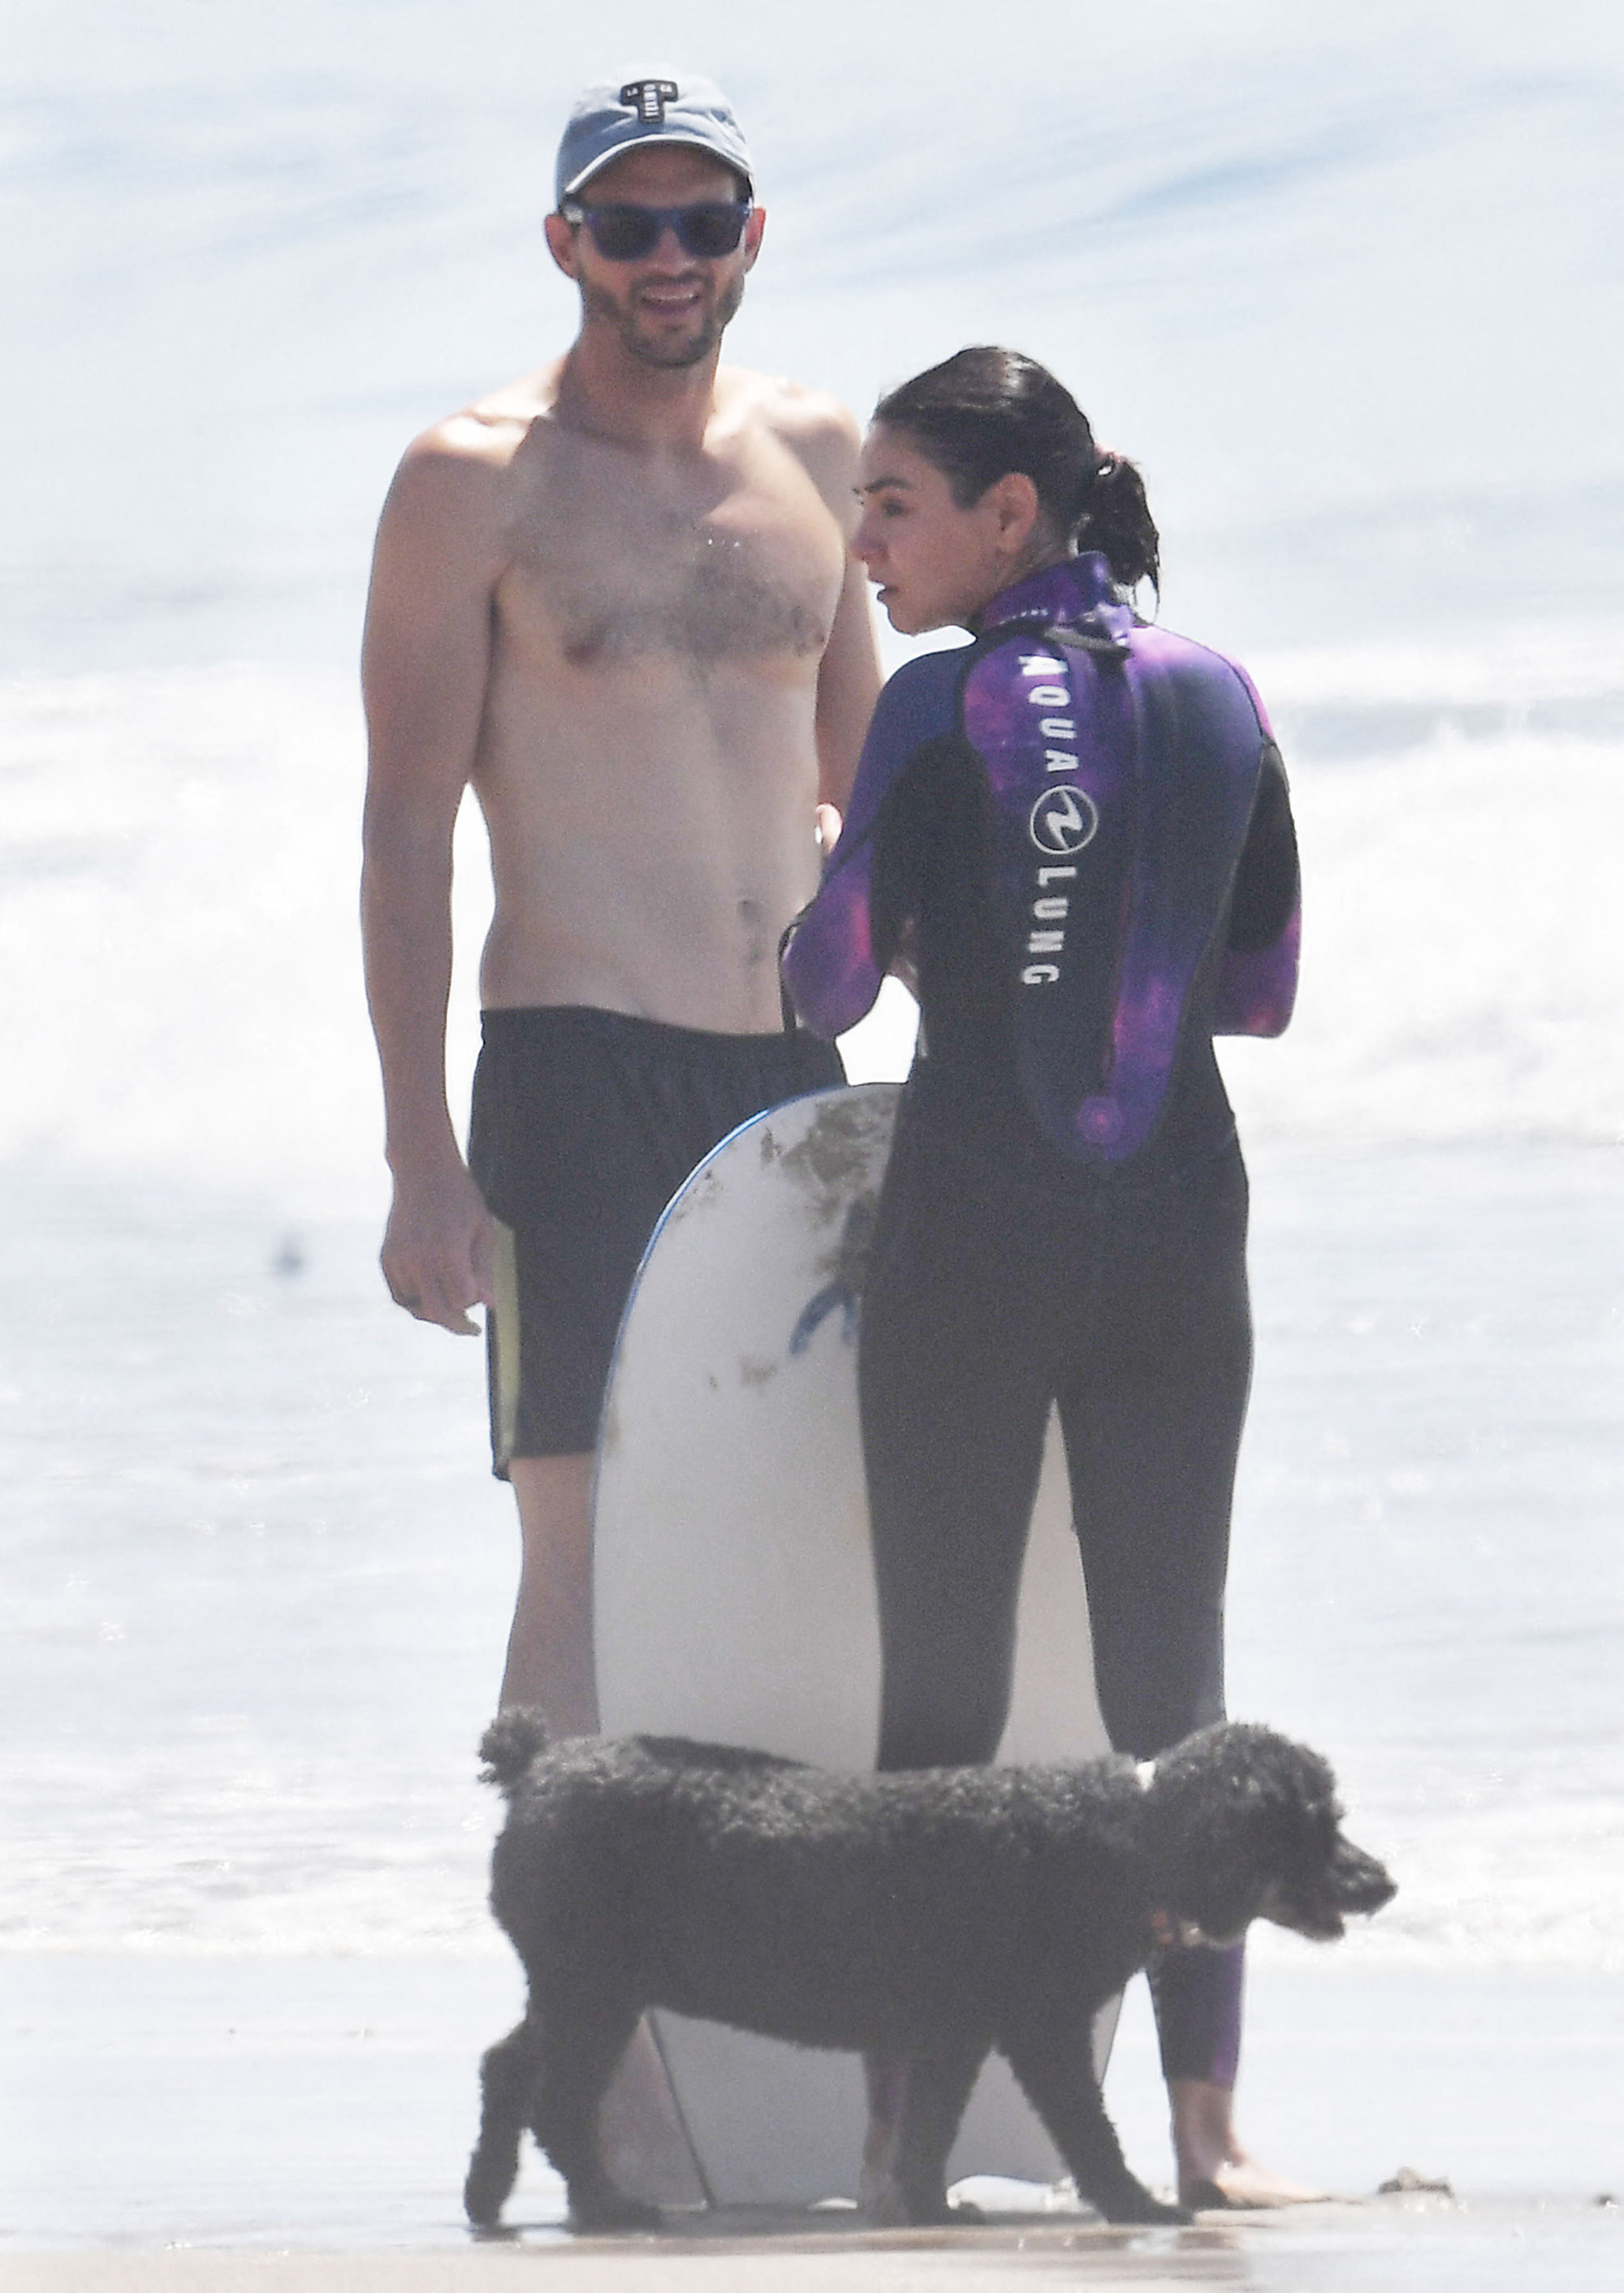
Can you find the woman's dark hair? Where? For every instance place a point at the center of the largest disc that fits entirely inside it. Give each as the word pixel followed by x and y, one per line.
pixel 986 411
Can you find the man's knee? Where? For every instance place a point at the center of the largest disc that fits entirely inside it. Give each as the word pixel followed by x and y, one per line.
pixel 549 1649
pixel 554 1495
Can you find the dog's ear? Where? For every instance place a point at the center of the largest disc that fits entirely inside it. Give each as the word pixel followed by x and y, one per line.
pixel 1244 1818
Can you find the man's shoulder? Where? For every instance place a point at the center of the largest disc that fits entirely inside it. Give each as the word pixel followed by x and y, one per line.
pixel 791 408
pixel 481 438
pixel 813 425
pixel 453 490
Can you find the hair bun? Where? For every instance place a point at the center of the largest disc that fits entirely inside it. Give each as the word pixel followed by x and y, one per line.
pixel 986 411
pixel 1117 519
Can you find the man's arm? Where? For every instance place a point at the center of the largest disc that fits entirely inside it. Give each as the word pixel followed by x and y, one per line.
pixel 847 687
pixel 425 662
pixel 824 436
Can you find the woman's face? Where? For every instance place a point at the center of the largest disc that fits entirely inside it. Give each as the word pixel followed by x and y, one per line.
pixel 936 565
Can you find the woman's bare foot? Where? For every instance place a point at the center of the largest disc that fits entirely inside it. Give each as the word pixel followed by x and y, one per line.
pixel 1215 2171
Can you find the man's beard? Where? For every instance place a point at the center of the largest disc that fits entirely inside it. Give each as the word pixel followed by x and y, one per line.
pixel 711 317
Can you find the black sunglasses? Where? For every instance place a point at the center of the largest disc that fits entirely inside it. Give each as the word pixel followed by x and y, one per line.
pixel 708 229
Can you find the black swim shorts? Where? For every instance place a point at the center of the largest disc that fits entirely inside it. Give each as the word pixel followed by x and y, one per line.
pixel 585 1124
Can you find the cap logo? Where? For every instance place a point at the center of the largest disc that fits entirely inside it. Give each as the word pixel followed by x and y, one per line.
pixel 648 98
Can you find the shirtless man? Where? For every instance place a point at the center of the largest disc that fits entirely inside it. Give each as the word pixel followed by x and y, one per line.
pixel 616 598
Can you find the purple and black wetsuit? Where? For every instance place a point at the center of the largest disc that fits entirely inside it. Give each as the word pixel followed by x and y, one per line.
pixel 1078 831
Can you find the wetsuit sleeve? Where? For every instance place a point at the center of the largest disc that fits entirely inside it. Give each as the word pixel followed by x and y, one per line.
pixel 1265 893
pixel 1257 983
pixel 830 969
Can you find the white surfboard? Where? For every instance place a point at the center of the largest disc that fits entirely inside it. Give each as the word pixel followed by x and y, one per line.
pixel 734 1592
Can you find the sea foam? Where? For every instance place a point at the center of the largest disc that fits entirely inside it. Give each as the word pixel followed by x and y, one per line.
pixel 180 850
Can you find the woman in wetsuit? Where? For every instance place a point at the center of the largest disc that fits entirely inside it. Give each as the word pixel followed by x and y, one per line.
pixel 1075 836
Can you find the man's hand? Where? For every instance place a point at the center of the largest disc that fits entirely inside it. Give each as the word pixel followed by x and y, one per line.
pixel 439 1249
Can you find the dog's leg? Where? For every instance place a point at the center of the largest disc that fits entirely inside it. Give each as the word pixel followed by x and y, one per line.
pixel 883 2077
pixel 936 2085
pixel 1053 2059
pixel 506 2076
pixel 583 2038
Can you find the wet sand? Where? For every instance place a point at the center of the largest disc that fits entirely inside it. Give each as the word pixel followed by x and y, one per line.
pixel 1398 2247
pixel 264 1768
pixel 264 2126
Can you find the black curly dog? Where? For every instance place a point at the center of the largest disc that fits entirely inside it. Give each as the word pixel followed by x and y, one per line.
pixel 931 1914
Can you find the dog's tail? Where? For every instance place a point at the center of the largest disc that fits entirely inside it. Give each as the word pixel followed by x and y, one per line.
pixel 509 1746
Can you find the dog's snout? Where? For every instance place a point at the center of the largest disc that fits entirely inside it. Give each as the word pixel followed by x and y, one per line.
pixel 1355 1885
pixel 1361 1884
pixel 1318 1903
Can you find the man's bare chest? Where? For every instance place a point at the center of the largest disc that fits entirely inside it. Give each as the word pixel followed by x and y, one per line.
pixel 605 579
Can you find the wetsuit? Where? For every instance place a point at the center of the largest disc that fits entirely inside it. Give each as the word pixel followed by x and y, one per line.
pixel 1078 831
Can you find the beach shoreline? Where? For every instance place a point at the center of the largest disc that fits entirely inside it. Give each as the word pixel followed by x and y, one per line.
pixel 230 1766
pixel 1392 2244
pixel 162 2105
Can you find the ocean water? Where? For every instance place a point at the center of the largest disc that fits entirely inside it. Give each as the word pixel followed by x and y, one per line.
pixel 1346 281
pixel 1350 291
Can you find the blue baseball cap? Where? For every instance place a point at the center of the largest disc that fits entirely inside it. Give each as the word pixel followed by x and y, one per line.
pixel 662 109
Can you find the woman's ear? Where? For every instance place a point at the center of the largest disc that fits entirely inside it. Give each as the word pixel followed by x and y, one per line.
pixel 1013 501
